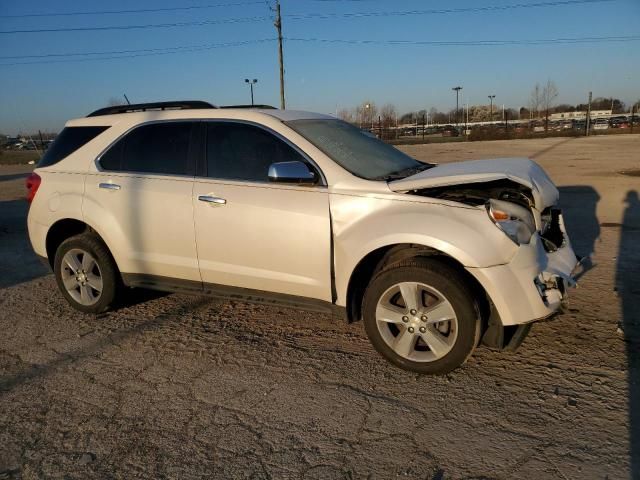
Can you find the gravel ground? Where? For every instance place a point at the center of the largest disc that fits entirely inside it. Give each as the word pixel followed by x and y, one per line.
pixel 172 386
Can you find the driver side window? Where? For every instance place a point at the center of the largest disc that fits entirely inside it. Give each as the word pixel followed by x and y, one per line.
pixel 238 151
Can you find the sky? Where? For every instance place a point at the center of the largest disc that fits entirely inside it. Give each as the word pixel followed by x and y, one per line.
pixel 210 62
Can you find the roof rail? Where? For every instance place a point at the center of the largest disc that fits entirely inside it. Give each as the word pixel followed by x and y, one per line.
pixel 260 107
pixel 143 107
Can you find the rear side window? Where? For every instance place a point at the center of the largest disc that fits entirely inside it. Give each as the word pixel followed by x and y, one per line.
pixel 238 151
pixel 68 141
pixel 155 148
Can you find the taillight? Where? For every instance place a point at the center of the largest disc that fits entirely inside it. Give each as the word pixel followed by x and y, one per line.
pixel 33 183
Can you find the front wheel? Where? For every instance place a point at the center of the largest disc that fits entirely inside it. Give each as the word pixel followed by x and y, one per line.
pixel 421 316
pixel 86 273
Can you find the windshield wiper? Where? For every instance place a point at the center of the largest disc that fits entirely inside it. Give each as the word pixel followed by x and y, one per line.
pixel 405 172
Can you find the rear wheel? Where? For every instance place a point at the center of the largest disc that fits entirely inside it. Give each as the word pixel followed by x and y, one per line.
pixel 421 316
pixel 86 273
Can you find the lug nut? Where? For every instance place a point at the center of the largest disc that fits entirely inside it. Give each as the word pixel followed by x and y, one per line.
pixel 411 329
pixel 423 318
pixel 423 330
pixel 413 312
pixel 405 319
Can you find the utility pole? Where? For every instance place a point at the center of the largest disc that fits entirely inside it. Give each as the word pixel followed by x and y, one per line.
pixel 588 124
pixel 251 84
pixel 466 123
pixel 457 90
pixel 631 123
pixel 397 124
pixel 278 25
pixel 491 97
pixel 423 127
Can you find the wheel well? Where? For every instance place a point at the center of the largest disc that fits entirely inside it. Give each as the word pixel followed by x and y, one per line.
pixel 378 259
pixel 60 231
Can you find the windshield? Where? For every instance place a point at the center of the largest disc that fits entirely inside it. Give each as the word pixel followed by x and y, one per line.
pixel 356 151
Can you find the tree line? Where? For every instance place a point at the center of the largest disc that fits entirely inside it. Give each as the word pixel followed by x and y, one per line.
pixel 542 103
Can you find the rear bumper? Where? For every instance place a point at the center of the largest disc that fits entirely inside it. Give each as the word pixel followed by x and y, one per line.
pixel 533 285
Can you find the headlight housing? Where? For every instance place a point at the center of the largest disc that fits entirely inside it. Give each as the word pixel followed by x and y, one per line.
pixel 514 220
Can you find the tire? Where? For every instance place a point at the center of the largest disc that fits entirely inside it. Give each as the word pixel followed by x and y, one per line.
pixel 86 273
pixel 436 336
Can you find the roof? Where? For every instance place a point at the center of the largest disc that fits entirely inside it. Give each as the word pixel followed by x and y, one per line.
pixel 288 115
pixel 241 113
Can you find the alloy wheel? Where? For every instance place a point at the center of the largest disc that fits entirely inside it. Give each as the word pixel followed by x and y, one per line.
pixel 417 321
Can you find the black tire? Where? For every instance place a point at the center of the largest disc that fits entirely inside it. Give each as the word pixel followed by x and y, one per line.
pixel 111 282
pixel 445 279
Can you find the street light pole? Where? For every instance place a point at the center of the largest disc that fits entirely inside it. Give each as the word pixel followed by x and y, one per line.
pixel 457 89
pixel 491 97
pixel 251 84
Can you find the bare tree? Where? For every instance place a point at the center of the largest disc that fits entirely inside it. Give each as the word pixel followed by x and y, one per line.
pixel 346 114
pixel 388 113
pixel 549 94
pixel 366 112
pixel 535 100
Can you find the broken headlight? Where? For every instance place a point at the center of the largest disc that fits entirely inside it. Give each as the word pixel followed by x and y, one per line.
pixel 514 220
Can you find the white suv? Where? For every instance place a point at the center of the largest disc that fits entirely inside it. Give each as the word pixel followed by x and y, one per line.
pixel 304 210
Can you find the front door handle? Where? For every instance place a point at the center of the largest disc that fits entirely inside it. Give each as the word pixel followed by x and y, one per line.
pixel 109 186
pixel 211 199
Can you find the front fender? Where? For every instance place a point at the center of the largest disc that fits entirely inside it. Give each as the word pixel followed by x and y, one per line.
pixel 363 224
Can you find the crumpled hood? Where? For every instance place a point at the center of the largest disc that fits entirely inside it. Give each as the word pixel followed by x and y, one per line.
pixel 520 170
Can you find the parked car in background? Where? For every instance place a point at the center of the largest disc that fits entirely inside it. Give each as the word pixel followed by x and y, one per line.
pixel 302 210
pixel 600 124
pixel 537 126
pixel 449 131
pixel 619 122
pixel 580 125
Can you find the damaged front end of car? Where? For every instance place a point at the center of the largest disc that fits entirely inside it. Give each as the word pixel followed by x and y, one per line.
pixel 521 201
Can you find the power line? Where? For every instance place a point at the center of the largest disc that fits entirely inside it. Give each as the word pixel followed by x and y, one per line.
pixel 112 55
pixel 441 11
pixel 141 50
pixel 540 41
pixel 117 54
pixel 143 26
pixel 317 16
pixel 142 10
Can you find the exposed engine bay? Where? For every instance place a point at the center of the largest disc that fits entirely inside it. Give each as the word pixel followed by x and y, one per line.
pixel 479 193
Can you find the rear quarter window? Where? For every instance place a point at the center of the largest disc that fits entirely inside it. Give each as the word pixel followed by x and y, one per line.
pixel 68 141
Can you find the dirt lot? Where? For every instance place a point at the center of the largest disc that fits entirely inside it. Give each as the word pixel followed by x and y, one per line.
pixel 185 387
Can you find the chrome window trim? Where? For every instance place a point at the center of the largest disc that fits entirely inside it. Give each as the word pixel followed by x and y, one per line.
pixel 322 183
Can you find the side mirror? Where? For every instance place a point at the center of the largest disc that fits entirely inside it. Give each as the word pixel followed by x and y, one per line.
pixel 291 172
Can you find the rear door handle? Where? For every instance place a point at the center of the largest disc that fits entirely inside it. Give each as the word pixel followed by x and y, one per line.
pixel 211 199
pixel 109 186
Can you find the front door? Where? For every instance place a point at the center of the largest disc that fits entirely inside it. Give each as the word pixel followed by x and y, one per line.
pixel 254 234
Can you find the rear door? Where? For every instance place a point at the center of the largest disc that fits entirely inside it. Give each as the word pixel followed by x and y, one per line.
pixel 252 233
pixel 141 198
